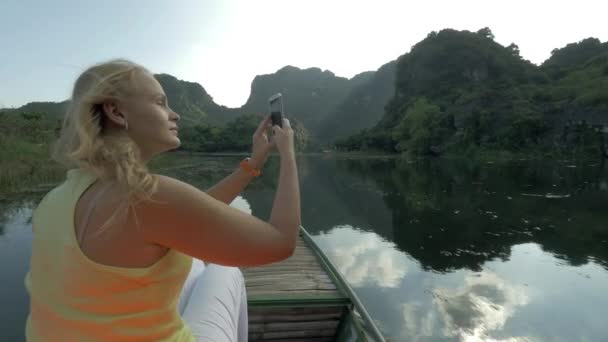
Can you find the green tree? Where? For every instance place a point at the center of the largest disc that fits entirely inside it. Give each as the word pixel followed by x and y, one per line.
pixel 422 129
pixel 514 49
pixel 486 32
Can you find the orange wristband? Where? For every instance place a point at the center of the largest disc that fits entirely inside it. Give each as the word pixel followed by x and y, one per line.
pixel 247 168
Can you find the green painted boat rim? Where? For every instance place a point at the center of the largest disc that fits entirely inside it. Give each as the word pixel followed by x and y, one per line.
pixel 340 299
pixel 344 288
pixel 345 298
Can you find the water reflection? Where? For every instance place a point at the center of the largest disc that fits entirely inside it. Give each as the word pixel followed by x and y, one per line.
pixel 240 203
pixel 438 250
pixel 468 306
pixel 529 297
pixel 455 214
pixel 479 306
pixel 15 246
pixel 454 250
pixel 363 258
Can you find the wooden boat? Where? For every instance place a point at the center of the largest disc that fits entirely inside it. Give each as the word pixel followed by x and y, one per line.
pixel 304 298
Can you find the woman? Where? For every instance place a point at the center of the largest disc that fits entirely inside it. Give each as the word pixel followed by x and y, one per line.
pixel 113 247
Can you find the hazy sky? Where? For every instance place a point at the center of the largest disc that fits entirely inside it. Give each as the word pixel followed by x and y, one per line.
pixel 223 44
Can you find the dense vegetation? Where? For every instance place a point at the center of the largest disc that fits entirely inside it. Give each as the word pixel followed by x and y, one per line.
pixel 24 152
pixel 455 92
pixel 461 92
pixel 193 103
pixel 235 136
pixel 312 97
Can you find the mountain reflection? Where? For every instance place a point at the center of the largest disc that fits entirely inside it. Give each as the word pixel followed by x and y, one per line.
pixel 454 214
pixel 438 250
pixel 457 214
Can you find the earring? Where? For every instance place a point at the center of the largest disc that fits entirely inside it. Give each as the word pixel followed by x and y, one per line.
pixel 126 125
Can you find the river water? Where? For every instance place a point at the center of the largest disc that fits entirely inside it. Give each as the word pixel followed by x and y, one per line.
pixel 437 249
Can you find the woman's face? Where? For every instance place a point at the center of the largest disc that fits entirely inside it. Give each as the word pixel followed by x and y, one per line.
pixel 151 123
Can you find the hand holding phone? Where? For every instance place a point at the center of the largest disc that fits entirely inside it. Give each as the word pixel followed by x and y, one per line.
pixel 276 109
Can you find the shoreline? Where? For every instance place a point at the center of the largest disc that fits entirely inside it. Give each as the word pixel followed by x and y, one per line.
pixel 40 180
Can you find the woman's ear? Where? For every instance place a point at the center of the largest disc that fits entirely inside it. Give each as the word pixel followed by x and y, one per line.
pixel 113 113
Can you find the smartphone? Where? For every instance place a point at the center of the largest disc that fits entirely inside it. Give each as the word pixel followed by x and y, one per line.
pixel 276 109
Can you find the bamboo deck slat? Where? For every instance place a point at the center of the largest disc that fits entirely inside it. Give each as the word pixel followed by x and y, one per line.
pixel 298 279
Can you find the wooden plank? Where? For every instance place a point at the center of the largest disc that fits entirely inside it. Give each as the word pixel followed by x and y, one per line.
pixel 264 318
pixel 282 282
pixel 296 326
pixel 294 262
pixel 282 265
pixel 301 295
pixel 310 265
pixel 292 334
pixel 300 286
pixel 320 274
pixel 294 287
pixel 312 330
pixel 298 253
pixel 288 300
pixel 300 277
pixel 303 253
pixel 291 260
pixel 286 273
pixel 284 276
pixel 309 339
pixel 303 274
pixel 253 278
pixel 288 285
pixel 286 282
pixel 301 283
pixel 295 268
pixel 294 310
pixel 293 300
pixel 302 258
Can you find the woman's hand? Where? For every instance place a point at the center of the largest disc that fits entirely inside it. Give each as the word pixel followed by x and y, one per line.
pixel 283 139
pixel 261 145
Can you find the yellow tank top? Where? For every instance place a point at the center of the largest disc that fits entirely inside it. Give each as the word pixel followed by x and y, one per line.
pixel 73 298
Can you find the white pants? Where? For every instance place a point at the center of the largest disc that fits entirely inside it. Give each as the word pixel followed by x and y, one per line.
pixel 213 303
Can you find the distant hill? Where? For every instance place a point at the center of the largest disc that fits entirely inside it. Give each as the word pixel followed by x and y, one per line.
pixel 323 103
pixel 363 107
pixel 55 110
pixel 453 91
pixel 572 56
pixel 462 91
pixel 579 91
pixel 189 99
pixel 309 95
pixel 312 96
pixel 193 103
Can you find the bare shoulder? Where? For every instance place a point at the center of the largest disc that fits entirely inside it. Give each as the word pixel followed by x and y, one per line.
pixel 171 188
pixel 174 194
pixel 176 203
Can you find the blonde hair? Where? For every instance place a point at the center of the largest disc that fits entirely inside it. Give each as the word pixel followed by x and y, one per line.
pixel 86 143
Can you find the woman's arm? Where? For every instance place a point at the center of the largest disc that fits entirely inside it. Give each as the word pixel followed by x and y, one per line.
pixel 181 217
pixel 230 187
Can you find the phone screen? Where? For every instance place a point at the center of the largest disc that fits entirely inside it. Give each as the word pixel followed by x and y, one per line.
pixel 276 110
